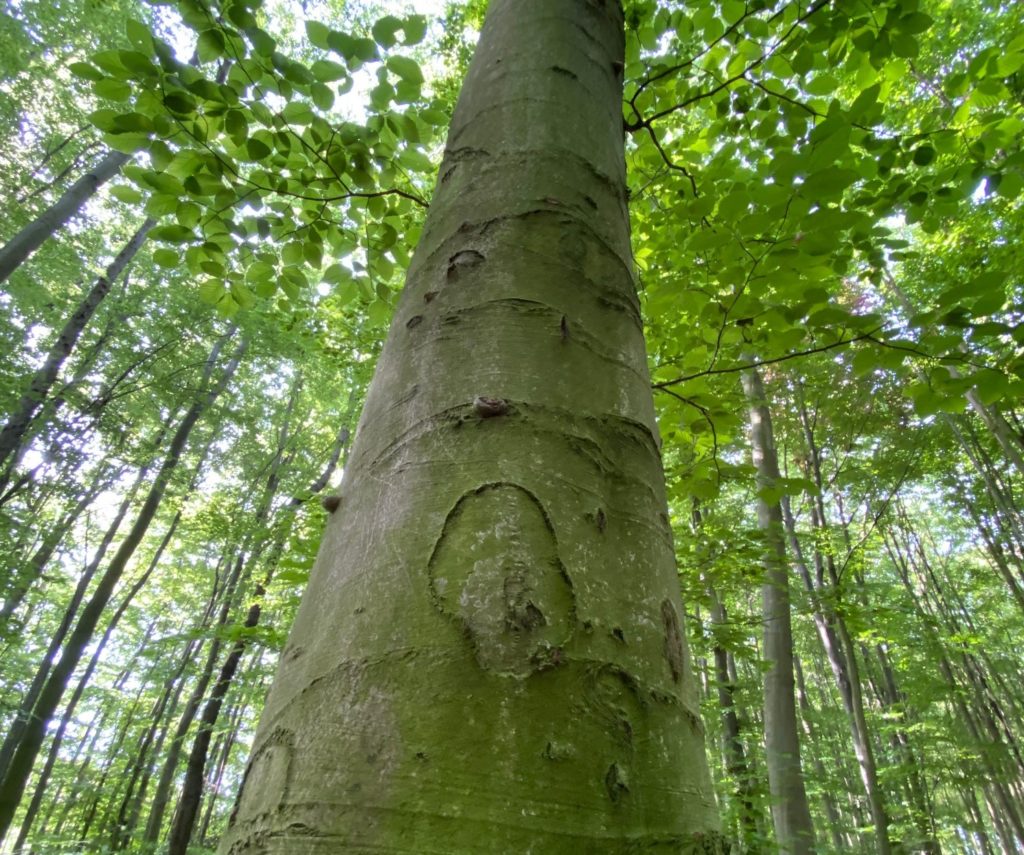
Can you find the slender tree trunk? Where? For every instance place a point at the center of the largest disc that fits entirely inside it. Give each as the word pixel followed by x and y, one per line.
pixel 110 757
pixel 192 788
pixel 732 743
pixel 31 237
pixel 23 581
pixel 469 663
pixel 215 781
pixel 978 827
pixel 20 725
pixel 53 821
pixel 58 737
pixel 13 435
pixel 195 771
pixel 840 841
pixel 151 745
pixel 161 796
pixel 843 655
pixel 13 784
pixel 1007 818
pixel 794 830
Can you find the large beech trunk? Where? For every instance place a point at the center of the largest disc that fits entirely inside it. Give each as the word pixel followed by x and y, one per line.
pixel 490 656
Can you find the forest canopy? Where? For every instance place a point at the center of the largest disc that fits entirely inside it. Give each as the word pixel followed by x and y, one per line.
pixel 211 211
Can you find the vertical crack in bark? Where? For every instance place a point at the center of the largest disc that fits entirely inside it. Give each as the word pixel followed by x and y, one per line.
pixel 673 640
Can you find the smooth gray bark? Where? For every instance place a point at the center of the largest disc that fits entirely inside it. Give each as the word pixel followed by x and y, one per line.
pixel 490 656
pixel 794 830
pixel 192 787
pixel 32 236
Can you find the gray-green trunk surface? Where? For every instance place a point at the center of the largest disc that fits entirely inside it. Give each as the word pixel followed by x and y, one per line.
pixel 490 654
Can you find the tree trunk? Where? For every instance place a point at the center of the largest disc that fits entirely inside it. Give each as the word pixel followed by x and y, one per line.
pixel 13 784
pixel 161 796
pixel 489 655
pixel 12 437
pixel 794 830
pixel 31 237
pixel 838 643
pixel 195 772
pixel 16 732
pixel 192 787
pixel 840 841
pixel 732 743
pixel 215 780
pixel 58 737
pixel 22 581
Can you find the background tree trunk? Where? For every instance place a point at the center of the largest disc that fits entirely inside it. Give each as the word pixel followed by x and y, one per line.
pixel 12 437
pixel 31 237
pixel 794 830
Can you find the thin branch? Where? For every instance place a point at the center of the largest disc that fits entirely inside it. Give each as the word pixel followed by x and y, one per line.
pixel 757 363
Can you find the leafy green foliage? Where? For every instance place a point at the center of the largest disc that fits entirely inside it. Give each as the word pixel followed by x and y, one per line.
pixel 830 193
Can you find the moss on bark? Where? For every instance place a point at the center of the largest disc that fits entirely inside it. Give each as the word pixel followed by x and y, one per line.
pixel 489 657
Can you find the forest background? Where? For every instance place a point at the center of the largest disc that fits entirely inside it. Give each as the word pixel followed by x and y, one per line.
pixel 825 204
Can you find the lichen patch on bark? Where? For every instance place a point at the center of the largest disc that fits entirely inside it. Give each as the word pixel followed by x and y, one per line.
pixel 495 569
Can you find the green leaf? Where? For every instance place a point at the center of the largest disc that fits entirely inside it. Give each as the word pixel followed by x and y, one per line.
pixel 336 274
pixel 261 41
pixel 210 45
pixel 384 30
pixel 137 63
pixel 822 84
pixel 188 214
pixel 257 149
pixel 294 277
pixel 180 102
pixel 237 126
pixel 828 182
pixel 297 113
pixel 110 62
pixel 138 34
pixel 172 234
pixel 325 70
pixel 378 313
pixel 242 295
pixel 211 291
pixel 414 28
pixel 86 71
pixel 322 96
pixel 915 23
pixel 160 205
pixel 733 10
pixel 167 258
pixel 317 34
pixel 355 50
pixel 905 45
pixel 924 155
pixel 415 160
pixel 115 90
pixel 126 194
pixel 162 182
pixel 407 69
pixel 437 118
pixel 313 253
